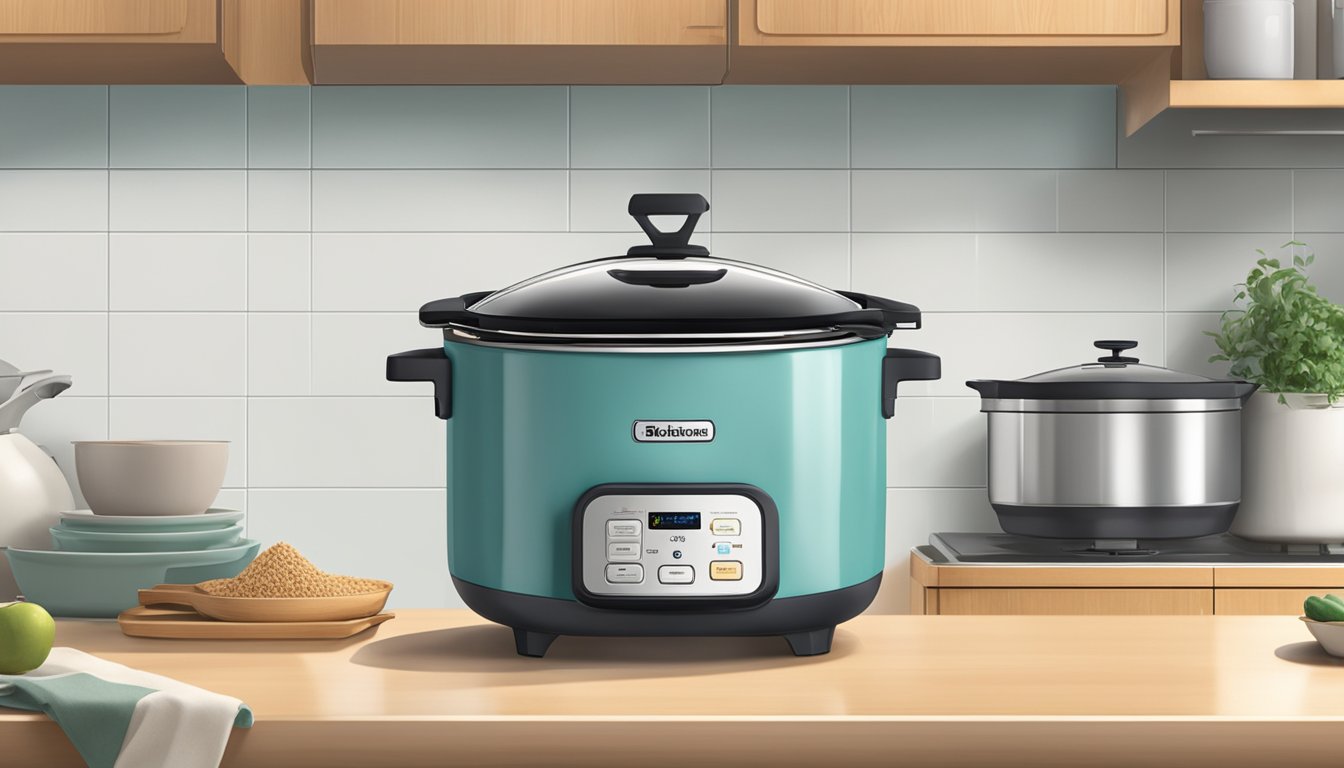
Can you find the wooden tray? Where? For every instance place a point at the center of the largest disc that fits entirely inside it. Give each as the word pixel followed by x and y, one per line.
pixel 185 624
pixel 254 609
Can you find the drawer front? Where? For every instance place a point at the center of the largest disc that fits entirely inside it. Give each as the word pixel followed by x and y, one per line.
pixel 1068 602
pixel 1264 602
pixel 1031 18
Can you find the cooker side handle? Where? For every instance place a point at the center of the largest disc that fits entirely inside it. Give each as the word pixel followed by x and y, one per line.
pixel 906 365
pixel 426 365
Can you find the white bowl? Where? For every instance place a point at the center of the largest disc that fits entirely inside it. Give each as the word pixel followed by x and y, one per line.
pixel 150 477
pixel 1330 634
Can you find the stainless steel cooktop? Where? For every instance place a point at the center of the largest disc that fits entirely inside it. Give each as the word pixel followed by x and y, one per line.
pixel 1222 549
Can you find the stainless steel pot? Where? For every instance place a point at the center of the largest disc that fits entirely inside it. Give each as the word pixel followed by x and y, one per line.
pixel 1114 450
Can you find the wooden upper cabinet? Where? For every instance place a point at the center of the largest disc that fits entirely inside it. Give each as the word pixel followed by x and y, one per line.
pixel 1000 20
pixel 951 41
pixel 114 41
pixel 519 41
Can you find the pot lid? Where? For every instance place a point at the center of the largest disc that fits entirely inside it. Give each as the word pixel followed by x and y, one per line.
pixel 1113 376
pixel 668 290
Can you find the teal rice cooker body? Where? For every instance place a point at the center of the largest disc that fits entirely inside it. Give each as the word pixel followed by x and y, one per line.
pixel 665 443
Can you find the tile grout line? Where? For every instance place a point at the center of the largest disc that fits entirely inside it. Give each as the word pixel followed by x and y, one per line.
pixel 849 187
pixel 107 243
pixel 311 207
pixel 247 291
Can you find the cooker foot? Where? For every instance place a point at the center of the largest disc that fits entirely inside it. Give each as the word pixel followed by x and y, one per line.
pixel 532 643
pixel 813 643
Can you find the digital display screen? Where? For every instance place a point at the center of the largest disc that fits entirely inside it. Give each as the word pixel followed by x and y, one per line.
pixel 674 521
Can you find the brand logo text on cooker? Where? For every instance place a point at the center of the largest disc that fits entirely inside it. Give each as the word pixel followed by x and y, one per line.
pixel 674 431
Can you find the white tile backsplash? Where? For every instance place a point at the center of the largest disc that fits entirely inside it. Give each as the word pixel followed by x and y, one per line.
pixel 53 271
pixel 279 131
pixel 345 442
pixel 1014 272
pixel 780 201
pixel 440 127
pixel 279 353
pixel 780 126
pixel 183 272
pixel 168 353
pixel 279 201
pixel 178 201
pixel 954 201
pixel 177 126
pixel 53 127
pixel 53 201
pixel 253 255
pixel 278 274
pixel 439 201
pixel 1229 201
pixel 73 343
pixel 609 127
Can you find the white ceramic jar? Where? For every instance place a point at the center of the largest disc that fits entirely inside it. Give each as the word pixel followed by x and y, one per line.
pixel 1292 486
pixel 1248 39
pixel 32 493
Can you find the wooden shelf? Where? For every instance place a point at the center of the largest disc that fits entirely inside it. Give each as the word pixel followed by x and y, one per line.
pixel 1257 94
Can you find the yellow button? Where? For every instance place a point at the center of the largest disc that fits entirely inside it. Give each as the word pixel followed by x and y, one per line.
pixel 725 570
pixel 726 526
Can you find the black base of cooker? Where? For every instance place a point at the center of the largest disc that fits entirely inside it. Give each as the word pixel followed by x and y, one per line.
pixel 807 622
pixel 1116 522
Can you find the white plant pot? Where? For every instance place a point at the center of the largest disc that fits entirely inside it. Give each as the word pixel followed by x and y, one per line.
pixel 1292 470
pixel 1248 39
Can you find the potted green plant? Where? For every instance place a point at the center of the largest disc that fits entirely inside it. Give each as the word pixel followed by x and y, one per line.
pixel 1285 336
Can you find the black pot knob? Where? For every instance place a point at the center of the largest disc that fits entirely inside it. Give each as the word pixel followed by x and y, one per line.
pixel 1116 346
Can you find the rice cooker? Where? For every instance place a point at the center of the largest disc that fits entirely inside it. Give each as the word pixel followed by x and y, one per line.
pixel 666 443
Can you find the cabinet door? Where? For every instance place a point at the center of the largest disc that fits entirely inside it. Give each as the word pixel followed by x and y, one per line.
pixel 1022 602
pixel 963 18
pixel 1262 602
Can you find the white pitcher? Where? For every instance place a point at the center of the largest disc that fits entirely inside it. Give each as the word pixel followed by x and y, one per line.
pixel 32 493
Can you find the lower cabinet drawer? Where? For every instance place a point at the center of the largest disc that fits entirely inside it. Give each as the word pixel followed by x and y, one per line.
pixel 1178 602
pixel 1265 602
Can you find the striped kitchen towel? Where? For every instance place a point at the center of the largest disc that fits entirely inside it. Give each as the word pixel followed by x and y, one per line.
pixel 118 717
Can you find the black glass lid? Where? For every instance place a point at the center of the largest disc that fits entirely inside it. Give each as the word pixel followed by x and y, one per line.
pixel 668 288
pixel 1113 376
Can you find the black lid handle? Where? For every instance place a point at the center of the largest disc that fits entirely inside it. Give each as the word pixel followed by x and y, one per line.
pixel 1116 346
pixel 668 245
pixel 669 278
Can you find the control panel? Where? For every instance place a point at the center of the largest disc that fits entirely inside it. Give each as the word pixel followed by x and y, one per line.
pixel 667 545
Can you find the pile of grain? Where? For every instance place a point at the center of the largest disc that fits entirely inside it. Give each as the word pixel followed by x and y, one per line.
pixel 282 572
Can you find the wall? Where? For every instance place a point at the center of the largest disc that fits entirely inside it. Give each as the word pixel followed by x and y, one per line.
pixel 235 263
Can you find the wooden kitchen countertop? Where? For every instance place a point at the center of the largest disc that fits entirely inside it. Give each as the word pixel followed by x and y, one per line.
pixel 445 688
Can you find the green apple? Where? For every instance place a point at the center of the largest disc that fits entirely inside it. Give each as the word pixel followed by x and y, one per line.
pixel 26 634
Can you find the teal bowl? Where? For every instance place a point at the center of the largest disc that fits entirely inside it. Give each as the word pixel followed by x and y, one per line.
pixel 103 584
pixel 75 540
pixel 84 520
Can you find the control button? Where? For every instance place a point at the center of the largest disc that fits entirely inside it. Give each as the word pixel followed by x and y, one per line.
pixel 675 574
pixel 725 570
pixel 623 529
pixel 726 526
pixel 723 548
pixel 676 554
pixel 625 574
pixel 623 550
